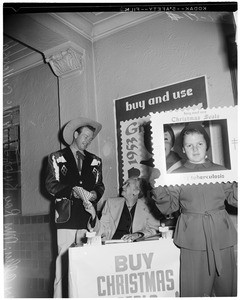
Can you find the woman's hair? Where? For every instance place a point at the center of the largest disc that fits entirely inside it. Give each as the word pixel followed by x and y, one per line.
pixel 194 128
pixel 143 186
pixel 168 128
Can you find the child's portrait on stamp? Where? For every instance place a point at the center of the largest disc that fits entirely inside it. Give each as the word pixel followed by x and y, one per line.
pixel 196 145
pixel 205 141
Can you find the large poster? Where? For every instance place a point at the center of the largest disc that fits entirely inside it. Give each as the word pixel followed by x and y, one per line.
pixel 132 114
pixel 142 269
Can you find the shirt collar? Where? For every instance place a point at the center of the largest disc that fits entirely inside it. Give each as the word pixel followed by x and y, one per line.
pixel 207 164
pixel 75 149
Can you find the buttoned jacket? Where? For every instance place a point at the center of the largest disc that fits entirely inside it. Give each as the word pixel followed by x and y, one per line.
pixel 202 210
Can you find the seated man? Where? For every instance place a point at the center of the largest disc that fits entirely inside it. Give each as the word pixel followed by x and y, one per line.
pixel 127 217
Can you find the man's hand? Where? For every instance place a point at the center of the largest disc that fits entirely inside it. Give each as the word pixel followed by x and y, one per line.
pixel 76 192
pixel 81 193
pixel 94 196
pixel 89 208
pixel 86 197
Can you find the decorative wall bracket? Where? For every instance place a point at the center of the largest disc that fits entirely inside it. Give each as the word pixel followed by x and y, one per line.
pixel 66 60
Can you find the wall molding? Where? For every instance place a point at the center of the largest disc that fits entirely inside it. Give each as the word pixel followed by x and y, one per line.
pixel 76 23
pixel 106 27
pixel 24 63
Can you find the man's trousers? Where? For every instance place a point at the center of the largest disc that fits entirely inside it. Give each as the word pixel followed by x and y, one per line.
pixel 65 238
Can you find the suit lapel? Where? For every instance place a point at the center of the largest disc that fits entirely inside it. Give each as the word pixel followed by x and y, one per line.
pixel 138 215
pixel 116 212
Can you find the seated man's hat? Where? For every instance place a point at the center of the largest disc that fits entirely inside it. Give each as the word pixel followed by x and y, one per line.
pixel 74 124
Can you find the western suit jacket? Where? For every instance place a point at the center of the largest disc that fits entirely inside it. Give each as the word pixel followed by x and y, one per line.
pixel 63 175
pixel 143 220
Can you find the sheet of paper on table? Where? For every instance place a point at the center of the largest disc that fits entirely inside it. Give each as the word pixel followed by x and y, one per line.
pixel 115 241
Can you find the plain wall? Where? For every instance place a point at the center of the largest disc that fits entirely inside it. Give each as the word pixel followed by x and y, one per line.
pixel 83 103
pixel 35 91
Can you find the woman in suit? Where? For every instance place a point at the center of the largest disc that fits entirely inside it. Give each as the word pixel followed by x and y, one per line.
pixel 126 217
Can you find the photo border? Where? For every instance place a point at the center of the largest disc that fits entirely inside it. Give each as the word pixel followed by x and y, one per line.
pixel 158 120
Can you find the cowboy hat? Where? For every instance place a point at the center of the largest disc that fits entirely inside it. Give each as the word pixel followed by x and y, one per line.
pixel 74 124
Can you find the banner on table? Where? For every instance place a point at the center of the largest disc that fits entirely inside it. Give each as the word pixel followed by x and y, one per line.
pixel 132 114
pixel 142 269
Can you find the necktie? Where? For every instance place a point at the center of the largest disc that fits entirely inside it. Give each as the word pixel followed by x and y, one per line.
pixel 80 158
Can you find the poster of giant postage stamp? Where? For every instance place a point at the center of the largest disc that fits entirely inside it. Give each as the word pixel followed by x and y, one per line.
pixel 211 159
pixel 132 118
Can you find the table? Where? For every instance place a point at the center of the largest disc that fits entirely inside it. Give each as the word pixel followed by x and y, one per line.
pixel 139 269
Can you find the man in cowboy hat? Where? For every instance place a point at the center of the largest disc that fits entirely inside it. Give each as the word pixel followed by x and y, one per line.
pixel 74 178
